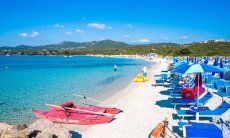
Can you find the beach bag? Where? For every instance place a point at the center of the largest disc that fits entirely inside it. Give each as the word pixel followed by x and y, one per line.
pixel 187 94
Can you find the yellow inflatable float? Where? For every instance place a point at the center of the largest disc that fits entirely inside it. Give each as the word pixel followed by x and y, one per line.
pixel 140 78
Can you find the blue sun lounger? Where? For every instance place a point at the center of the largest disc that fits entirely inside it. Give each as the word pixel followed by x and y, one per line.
pixel 203 100
pixel 202 130
pixel 222 94
pixel 223 91
pixel 220 110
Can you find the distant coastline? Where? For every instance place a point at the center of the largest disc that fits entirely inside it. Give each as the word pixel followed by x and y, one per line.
pixel 109 47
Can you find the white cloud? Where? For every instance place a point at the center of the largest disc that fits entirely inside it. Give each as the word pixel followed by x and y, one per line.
pixel 184 37
pixel 80 31
pixel 97 26
pixel 58 25
pixel 126 36
pixel 102 38
pixel 33 34
pixel 165 38
pixel 129 26
pixel 69 33
pixel 143 40
pixel 24 34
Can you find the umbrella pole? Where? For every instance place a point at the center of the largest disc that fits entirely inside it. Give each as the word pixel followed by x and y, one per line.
pixel 197 112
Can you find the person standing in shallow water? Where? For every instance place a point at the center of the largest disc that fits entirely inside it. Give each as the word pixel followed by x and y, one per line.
pixel 115 68
pixel 144 71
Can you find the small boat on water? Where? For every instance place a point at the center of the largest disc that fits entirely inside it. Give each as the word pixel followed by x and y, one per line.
pixel 73 118
pixel 108 110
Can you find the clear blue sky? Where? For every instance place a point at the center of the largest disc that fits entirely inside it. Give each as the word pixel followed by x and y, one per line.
pixel 37 22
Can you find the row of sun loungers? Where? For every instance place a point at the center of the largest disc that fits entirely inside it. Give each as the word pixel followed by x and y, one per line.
pixel 212 86
pixel 205 112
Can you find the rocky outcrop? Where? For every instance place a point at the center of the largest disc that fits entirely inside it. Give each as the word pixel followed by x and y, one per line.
pixel 47 129
pixel 39 129
pixel 13 131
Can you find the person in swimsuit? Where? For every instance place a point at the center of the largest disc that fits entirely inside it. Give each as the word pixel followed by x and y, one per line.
pixel 115 68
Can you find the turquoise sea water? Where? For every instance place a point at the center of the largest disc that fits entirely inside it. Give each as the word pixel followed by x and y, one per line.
pixel 30 82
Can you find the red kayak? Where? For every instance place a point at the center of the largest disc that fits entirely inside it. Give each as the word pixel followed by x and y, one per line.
pixel 73 118
pixel 98 109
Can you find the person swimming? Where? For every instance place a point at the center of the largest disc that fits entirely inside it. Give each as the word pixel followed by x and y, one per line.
pixel 115 68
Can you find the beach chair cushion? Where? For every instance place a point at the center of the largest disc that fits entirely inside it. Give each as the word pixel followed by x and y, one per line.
pixel 182 124
pixel 202 130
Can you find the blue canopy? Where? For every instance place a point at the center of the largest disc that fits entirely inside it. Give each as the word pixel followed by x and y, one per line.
pixel 175 60
pixel 202 130
pixel 197 68
pixel 206 61
pixel 221 73
pixel 178 64
pixel 215 63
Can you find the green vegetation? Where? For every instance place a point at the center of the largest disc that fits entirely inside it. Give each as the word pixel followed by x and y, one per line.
pixel 109 47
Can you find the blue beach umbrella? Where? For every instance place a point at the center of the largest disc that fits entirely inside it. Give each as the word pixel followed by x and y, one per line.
pixel 188 59
pixel 221 73
pixel 215 63
pixel 178 64
pixel 192 60
pixel 197 68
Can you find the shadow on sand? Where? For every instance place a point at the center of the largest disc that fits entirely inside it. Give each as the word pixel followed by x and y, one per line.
pixel 164 103
pixel 175 129
pixel 75 134
pixel 164 92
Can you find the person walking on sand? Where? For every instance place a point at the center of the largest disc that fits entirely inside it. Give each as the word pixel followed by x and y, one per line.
pixel 144 71
pixel 115 68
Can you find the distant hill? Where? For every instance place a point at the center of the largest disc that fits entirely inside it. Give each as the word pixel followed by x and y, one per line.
pixel 163 44
pixel 111 47
pixel 104 44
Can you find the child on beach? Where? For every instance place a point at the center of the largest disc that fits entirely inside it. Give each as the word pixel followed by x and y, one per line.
pixel 144 71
